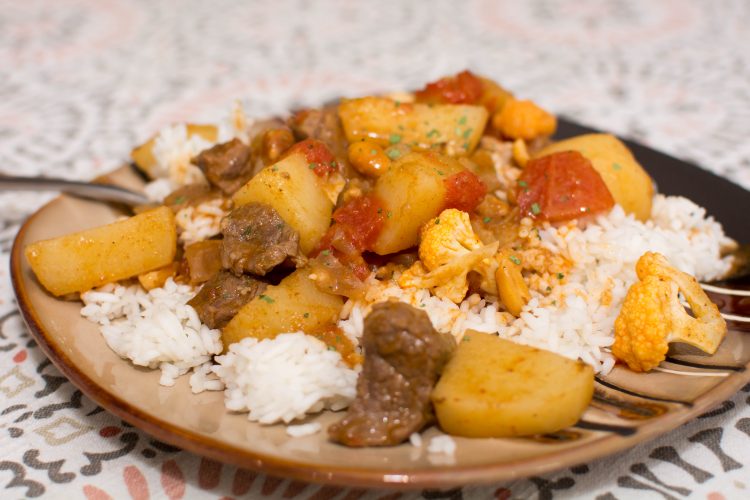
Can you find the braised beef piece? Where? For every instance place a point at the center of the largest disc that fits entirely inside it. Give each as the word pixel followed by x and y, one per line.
pixel 190 195
pixel 256 239
pixel 227 166
pixel 222 296
pixel 404 356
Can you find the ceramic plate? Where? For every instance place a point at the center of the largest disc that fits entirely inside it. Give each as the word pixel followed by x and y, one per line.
pixel 627 408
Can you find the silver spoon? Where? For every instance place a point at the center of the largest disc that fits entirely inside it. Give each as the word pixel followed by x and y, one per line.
pixel 99 192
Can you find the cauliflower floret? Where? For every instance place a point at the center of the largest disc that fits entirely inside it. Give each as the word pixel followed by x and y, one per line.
pixel 448 250
pixel 447 236
pixel 652 315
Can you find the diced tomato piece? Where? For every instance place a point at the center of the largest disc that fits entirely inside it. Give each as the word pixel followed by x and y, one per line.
pixel 464 191
pixel 317 154
pixel 356 226
pixel 562 186
pixel 464 88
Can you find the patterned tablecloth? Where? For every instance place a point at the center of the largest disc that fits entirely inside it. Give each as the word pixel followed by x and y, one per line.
pixel 81 81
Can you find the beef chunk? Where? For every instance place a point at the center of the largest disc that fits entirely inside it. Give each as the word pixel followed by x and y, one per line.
pixel 256 239
pixel 223 295
pixel 404 356
pixel 227 166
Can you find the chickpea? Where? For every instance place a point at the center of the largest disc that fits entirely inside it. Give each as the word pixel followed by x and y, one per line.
pixel 368 158
pixel 524 120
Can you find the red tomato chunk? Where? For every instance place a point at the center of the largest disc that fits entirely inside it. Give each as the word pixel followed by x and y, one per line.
pixel 356 226
pixel 317 154
pixel 464 191
pixel 464 88
pixel 562 186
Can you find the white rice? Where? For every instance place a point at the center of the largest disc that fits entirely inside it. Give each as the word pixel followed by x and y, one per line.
pixel 285 378
pixel 442 445
pixel 173 150
pixel 156 329
pixel 200 222
pixel 303 429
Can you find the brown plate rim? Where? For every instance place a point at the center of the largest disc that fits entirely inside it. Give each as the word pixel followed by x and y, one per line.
pixel 434 477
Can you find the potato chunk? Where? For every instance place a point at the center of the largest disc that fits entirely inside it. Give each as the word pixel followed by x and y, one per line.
pixel 496 388
pixel 297 194
pixel 458 127
pixel 292 305
pixel 80 261
pixel 630 185
pixel 412 192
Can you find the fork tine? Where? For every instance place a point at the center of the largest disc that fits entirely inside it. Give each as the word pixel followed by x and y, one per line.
pixel 734 303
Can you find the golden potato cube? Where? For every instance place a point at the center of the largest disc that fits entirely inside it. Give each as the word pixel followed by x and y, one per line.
pixel 297 194
pixel 458 127
pixel 294 304
pixel 412 192
pixel 493 387
pixel 630 185
pixel 156 278
pixel 123 249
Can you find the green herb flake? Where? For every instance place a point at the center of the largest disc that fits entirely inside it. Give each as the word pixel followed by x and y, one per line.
pixel 535 209
pixel 523 184
pixel 467 133
pixel 373 151
pixel 433 132
pixel 394 154
pixel 549 289
pixel 457 131
pixel 437 221
pixel 466 146
pixel 179 200
pixel 331 348
pixel 466 339
pixel 312 166
pixel 380 210
pixel 487 220
pixel 397 103
pixel 247 231
pixel 554 302
pixel 394 138
pixel 616 166
pixel 440 172
pixel 462 121
pixel 515 260
pixel 266 298
pixel 325 252
pixel 274 169
pixel 389 214
pixel 306 315
pixel 560 276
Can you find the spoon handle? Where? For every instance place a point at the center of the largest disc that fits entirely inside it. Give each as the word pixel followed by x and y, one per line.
pixel 100 192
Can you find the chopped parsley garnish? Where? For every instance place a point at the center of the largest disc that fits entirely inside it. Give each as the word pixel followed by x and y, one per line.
pixel 325 252
pixel 179 200
pixel 549 289
pixel 487 220
pixel 466 146
pixel 373 151
pixel 433 132
pixel 393 154
pixel 394 138
pixel 437 221
pixel 560 276
pixel 267 299
pixel 616 166
pixel 247 231
pixel 515 260
pixel 468 132
pixel 380 210
pixel 466 339
pixel 306 315
pixel 274 169
pixel 312 166
pixel 331 348
pixel 389 214
pixel 440 172
pixel 535 209
pixel 462 120
pixel 523 184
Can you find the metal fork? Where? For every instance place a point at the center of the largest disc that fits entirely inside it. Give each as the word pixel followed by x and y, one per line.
pixel 90 190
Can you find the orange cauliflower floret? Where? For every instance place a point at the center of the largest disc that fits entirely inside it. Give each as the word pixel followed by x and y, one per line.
pixel 652 315
pixel 448 250
pixel 524 120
